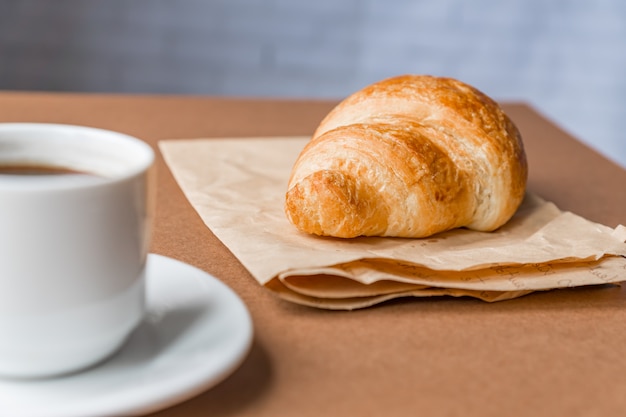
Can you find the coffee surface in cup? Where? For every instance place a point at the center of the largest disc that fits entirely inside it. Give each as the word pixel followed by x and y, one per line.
pixel 35 170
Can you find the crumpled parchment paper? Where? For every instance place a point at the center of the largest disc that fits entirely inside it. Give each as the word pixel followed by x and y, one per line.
pixel 238 185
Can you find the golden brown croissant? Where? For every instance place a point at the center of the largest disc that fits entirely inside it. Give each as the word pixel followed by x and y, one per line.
pixel 409 156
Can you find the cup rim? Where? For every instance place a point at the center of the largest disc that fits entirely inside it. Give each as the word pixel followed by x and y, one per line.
pixel 71 132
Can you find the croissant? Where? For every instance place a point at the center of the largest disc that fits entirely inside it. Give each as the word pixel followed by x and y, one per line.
pixel 409 156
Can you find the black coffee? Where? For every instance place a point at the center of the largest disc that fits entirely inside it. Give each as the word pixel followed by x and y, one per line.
pixel 38 170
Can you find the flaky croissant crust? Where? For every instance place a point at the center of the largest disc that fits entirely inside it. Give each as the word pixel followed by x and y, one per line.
pixel 409 156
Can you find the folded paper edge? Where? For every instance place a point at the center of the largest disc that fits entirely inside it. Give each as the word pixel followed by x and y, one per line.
pixel 620 233
pixel 355 303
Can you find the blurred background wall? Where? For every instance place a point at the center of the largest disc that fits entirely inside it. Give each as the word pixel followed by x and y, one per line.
pixel 567 58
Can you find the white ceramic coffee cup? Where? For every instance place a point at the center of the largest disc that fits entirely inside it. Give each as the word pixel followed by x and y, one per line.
pixel 73 249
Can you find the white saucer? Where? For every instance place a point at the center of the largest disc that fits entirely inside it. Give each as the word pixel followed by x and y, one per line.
pixel 197 331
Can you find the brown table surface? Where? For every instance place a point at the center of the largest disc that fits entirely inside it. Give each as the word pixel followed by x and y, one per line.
pixel 559 353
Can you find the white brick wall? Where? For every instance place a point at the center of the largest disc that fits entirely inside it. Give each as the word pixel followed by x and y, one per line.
pixel 566 57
